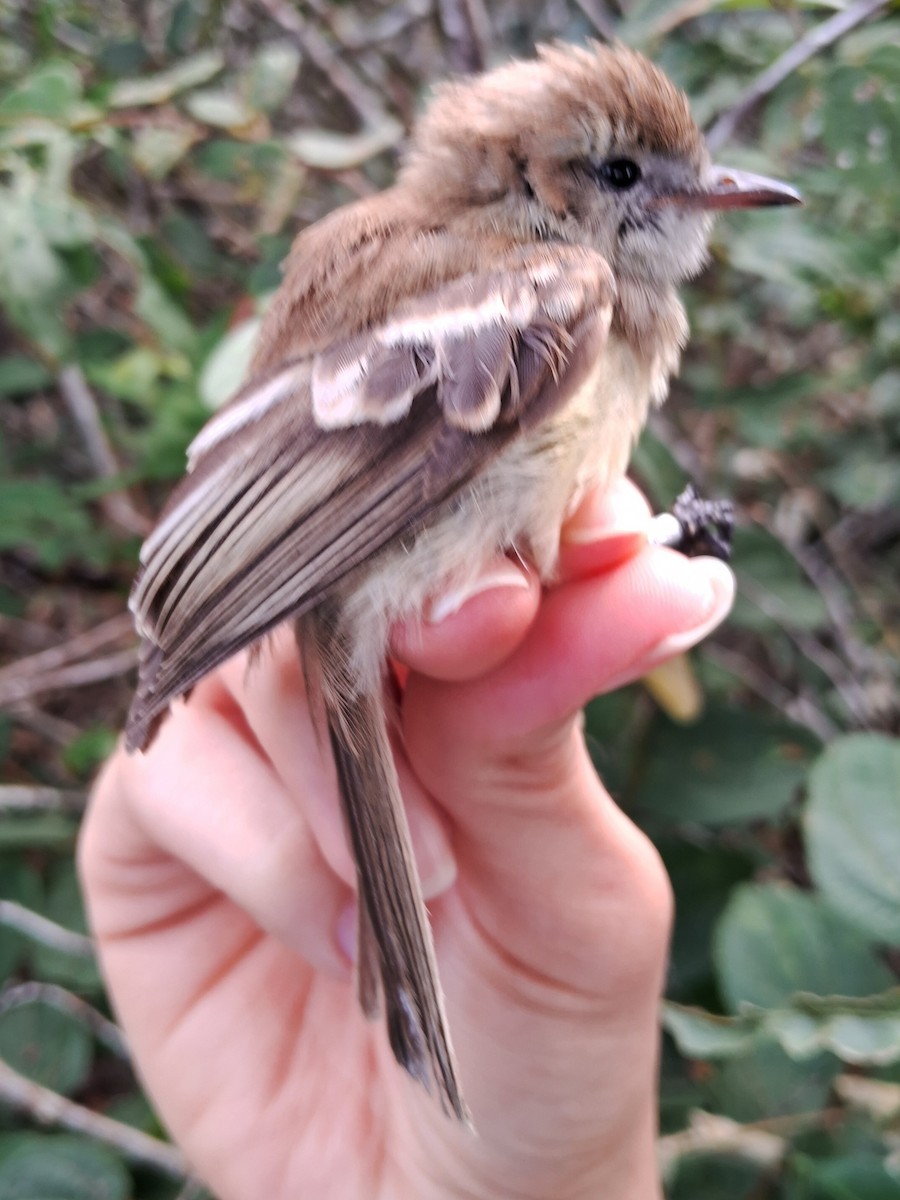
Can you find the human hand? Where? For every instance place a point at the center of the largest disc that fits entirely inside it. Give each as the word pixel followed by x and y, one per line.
pixel 219 888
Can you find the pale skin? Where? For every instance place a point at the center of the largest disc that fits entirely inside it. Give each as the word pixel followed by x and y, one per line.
pixel 220 890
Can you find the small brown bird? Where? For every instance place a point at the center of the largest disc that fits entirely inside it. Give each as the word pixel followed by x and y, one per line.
pixel 445 368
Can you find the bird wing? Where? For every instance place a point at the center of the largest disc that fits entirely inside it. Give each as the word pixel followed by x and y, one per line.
pixel 317 465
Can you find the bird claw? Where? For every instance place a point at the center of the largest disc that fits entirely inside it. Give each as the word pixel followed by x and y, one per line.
pixel 696 526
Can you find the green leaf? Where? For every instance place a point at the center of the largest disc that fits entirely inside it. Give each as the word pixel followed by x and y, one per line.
pixel 37 1166
pixel 48 831
pixel 157 149
pixel 699 1176
pixel 852 826
pixel 331 151
pixel 65 906
pixel 32 279
pixel 163 315
pixel 46 1045
pixel 158 89
pixel 774 941
pixel 89 749
pixel 20 375
pixel 862 1033
pixel 729 767
pixel 226 368
pixel 851 1177
pixel 220 108
pixel 19 882
pixel 51 91
pixel 702 879
pixel 772 586
pixel 766 1083
pixel 44 519
pixel 270 77
pixel 700 1034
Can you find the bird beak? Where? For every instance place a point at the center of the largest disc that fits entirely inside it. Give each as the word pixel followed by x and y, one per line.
pixel 736 189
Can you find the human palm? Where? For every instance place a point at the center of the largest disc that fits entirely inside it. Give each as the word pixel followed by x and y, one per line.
pixel 220 890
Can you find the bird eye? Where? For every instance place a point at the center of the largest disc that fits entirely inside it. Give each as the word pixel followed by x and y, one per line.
pixel 619 173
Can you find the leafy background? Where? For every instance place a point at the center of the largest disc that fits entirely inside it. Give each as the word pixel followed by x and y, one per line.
pixel 155 161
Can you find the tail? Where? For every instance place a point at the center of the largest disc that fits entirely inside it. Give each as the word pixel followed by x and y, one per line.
pixel 394 944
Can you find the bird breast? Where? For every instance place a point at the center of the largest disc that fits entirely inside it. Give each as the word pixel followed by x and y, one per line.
pixel 517 505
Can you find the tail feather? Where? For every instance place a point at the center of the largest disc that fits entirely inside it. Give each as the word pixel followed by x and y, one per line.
pixel 395 945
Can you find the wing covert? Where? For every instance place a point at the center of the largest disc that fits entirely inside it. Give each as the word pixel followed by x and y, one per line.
pixel 316 466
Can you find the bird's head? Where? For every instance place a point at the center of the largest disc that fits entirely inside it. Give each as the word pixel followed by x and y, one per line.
pixel 591 145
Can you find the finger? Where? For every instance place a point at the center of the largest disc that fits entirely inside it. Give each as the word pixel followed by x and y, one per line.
pixel 468 631
pixel 271 696
pixel 590 636
pixel 504 757
pixel 607 528
pixel 205 796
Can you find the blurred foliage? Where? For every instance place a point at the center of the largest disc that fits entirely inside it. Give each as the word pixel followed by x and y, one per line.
pixel 155 161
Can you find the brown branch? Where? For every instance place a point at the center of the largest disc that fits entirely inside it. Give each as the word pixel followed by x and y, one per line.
pixel 816 40
pixel 467 32
pixel 84 412
pixel 35 992
pixel 799 708
pixel 365 101
pixel 75 675
pixel 47 933
pixel 79 646
pixel 48 1108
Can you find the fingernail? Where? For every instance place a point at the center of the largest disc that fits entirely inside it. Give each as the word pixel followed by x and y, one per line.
pixel 721 583
pixel 709 575
pixel 502 575
pixel 617 515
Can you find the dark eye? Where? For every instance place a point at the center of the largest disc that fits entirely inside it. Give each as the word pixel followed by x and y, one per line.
pixel 619 173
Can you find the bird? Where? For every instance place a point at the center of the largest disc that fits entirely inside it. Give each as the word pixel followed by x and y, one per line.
pixel 444 370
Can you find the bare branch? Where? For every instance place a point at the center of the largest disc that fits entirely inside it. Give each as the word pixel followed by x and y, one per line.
pixel 365 101
pixel 53 996
pixel 47 933
pixel 818 39
pixel 75 675
pixel 467 32
pixel 708 1132
pixel 48 1108
pixel 798 707
pixel 22 798
pixel 79 646
pixel 83 408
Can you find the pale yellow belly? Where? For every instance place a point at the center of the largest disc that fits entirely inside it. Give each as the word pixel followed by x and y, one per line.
pixel 518 503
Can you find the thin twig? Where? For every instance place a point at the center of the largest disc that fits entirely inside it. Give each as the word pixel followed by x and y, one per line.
pixel 76 675
pixel 36 992
pixel 365 101
pixel 467 32
pixel 799 708
pixel 708 1132
pixel 818 38
pixel 598 19
pixel 22 798
pixel 842 680
pixel 83 408
pixel 40 929
pixel 388 26
pixel 46 726
pixel 79 646
pixel 48 1108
